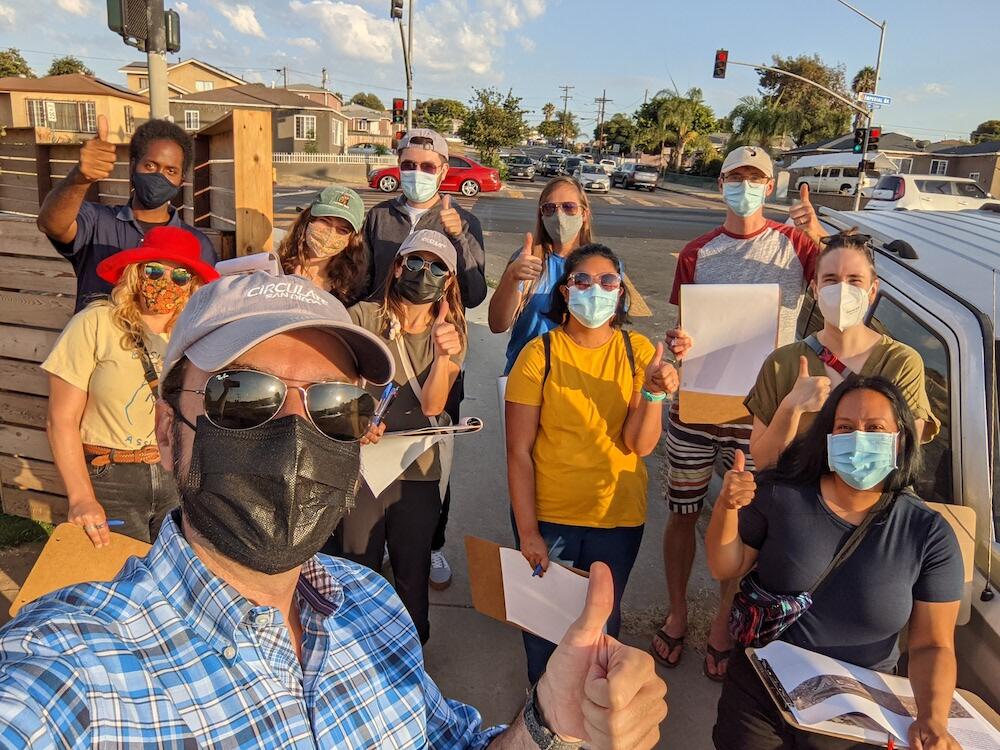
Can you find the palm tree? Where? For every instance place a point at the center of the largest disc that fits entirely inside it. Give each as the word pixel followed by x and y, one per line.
pixel 757 122
pixel 678 123
pixel 864 81
pixel 548 111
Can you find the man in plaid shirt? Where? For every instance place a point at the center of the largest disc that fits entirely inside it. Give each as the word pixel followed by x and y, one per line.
pixel 232 632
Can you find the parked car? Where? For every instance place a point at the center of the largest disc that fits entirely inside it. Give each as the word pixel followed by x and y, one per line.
pixel 520 168
pixel 465 176
pixel 609 165
pixel 937 293
pixel 841 180
pixel 587 158
pixel 551 165
pixel 592 177
pixel 924 192
pixel 569 165
pixel 562 151
pixel 636 176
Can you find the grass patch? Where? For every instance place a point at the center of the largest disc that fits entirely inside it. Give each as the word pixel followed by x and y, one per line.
pixel 15 531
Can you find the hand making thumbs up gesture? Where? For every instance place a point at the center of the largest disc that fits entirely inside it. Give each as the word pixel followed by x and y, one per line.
pixel 809 392
pixel 446 339
pixel 527 266
pixel 738 485
pixel 803 215
pixel 450 220
pixel 661 377
pixel 97 156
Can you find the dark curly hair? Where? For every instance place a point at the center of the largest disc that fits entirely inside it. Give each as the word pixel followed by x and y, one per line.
pixel 559 310
pixel 160 130
pixel 347 271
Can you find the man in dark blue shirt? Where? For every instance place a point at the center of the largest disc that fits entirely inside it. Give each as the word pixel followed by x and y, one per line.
pixel 85 233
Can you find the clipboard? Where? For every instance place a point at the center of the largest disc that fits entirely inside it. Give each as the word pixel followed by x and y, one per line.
pixel 69 557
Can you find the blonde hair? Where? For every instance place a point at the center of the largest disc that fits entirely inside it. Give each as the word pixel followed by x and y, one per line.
pixel 391 309
pixel 126 308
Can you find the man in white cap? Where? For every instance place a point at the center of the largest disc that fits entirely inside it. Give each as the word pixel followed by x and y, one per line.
pixel 747 249
pixel 232 632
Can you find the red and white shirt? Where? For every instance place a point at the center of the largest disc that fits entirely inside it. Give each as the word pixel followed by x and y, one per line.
pixel 777 254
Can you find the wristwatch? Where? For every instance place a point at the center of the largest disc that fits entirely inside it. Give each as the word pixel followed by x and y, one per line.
pixel 542 736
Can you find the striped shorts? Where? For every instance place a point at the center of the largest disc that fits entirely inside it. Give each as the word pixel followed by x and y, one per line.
pixel 692 450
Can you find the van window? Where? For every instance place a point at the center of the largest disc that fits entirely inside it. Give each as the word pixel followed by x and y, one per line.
pixel 936 187
pixel 834 172
pixel 850 171
pixel 888 317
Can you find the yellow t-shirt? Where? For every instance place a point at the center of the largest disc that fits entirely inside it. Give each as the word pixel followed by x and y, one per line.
pixel 584 474
pixel 89 355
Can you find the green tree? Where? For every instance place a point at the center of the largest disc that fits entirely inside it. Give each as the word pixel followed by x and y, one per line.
pixel 68 64
pixel 817 114
pixel 620 129
pixel 864 81
pixel 562 126
pixel 757 122
pixel 12 63
pixel 681 121
pixel 548 111
pixel 367 100
pixel 986 131
pixel 494 120
pixel 438 114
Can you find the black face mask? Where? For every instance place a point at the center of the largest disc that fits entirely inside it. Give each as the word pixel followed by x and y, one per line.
pixel 152 189
pixel 420 287
pixel 269 497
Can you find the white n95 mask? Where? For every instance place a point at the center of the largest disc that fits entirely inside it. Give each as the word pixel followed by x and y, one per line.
pixel 843 305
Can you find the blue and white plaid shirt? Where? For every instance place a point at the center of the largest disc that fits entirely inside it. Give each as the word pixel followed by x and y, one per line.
pixel 169 656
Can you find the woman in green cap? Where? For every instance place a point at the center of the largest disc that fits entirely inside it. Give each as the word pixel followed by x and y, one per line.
pixel 325 245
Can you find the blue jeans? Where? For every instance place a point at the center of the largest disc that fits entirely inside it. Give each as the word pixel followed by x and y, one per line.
pixel 581 547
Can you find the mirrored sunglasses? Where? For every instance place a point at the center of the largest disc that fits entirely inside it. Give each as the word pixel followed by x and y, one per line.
pixel 156 271
pixel 608 281
pixel 570 208
pixel 429 167
pixel 415 264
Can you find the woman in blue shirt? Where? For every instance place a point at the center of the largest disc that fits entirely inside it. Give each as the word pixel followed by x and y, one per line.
pixel 524 295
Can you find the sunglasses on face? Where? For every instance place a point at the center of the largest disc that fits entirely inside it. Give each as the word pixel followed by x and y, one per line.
pixel 429 167
pixel 245 399
pixel 415 264
pixel 608 281
pixel 752 179
pixel 156 271
pixel 846 239
pixel 570 208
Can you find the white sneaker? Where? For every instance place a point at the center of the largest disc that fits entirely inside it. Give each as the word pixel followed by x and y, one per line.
pixel 440 578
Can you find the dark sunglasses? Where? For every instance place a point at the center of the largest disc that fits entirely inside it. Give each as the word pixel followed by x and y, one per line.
pixel 244 399
pixel 416 264
pixel 846 239
pixel 608 281
pixel 570 208
pixel 429 167
pixel 156 271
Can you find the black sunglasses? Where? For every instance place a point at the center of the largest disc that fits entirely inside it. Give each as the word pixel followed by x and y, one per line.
pixel 846 239
pixel 415 264
pixel 156 271
pixel 570 208
pixel 245 399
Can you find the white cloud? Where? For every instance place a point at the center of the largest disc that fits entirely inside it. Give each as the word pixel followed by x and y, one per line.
pixel 305 42
pixel 534 8
pixel 242 18
pixel 350 29
pixel 527 43
pixel 937 89
pixel 76 7
pixel 7 15
pixel 181 7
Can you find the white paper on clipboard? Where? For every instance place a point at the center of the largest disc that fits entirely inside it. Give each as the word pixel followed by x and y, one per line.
pixel 733 327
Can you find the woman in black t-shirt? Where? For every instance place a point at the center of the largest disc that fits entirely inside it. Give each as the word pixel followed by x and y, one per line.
pixel 791 522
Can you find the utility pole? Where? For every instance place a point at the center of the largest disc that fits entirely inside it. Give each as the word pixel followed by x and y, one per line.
pixel 565 97
pixel 284 74
pixel 323 77
pixel 409 67
pixel 601 101
pixel 156 61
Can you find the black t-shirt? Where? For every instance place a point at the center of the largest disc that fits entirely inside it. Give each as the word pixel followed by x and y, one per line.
pixel 912 554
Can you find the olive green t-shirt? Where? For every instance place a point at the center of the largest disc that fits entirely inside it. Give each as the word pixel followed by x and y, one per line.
pixel 891 359
pixel 405 413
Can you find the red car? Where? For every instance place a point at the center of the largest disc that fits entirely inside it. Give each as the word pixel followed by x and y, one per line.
pixel 464 176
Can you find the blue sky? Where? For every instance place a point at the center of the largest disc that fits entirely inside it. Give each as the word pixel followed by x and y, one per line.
pixel 936 67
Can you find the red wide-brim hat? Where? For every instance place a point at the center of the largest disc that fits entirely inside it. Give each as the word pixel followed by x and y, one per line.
pixel 172 244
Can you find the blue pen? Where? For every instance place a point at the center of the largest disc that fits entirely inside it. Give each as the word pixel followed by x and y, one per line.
pixel 554 550
pixel 115 522
pixel 388 394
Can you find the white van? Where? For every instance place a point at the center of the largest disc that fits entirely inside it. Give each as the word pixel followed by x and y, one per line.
pixel 843 180
pixel 926 192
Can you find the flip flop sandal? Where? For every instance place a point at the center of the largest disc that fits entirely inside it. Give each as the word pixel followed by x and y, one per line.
pixel 672 643
pixel 720 657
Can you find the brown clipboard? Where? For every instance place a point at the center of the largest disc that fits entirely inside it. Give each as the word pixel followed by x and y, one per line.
pixel 70 557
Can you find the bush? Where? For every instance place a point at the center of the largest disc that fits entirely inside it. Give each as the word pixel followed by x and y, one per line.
pixel 498 164
pixel 711 168
pixel 380 150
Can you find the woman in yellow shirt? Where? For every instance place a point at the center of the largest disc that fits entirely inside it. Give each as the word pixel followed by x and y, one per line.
pixel 103 383
pixel 584 404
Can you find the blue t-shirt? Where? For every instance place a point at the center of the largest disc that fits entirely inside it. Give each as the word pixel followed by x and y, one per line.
pixel 856 615
pixel 533 320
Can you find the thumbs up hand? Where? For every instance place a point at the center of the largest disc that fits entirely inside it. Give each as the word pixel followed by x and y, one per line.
pixel 809 392
pixel 661 377
pixel 738 485
pixel 803 215
pixel 597 689
pixel 446 339
pixel 97 156
pixel 526 266
pixel 450 220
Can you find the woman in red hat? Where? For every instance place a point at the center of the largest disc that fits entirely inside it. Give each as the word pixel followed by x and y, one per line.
pixel 103 386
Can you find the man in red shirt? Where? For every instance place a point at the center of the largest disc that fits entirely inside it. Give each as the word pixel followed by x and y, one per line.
pixel 747 249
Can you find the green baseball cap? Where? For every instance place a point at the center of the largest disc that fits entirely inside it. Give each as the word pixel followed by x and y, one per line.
pixel 341 202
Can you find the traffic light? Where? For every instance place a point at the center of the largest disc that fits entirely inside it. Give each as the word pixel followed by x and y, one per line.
pixel 398 111
pixel 721 59
pixel 395 8
pixel 859 140
pixel 873 135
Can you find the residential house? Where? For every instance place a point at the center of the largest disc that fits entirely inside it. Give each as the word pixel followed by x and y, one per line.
pixel 901 149
pixel 368 126
pixel 298 124
pixel 317 94
pixel 67 107
pixel 979 161
pixel 184 77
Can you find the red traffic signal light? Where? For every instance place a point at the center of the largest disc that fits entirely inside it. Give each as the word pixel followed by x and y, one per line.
pixel 873 135
pixel 398 107
pixel 721 60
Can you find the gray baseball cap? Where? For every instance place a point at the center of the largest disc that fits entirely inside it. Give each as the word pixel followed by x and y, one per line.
pixel 428 240
pixel 224 319
pixel 425 138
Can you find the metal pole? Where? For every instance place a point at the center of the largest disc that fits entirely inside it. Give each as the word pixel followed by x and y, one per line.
pixel 864 151
pixel 156 61
pixel 409 68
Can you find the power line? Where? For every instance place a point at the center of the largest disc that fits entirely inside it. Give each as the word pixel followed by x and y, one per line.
pixel 565 97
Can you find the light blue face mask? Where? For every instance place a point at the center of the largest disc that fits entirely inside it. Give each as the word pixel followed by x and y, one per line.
pixel 418 186
pixel 594 306
pixel 862 459
pixel 744 198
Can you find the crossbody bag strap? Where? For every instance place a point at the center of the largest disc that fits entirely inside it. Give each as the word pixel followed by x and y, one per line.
pixel 827 357
pixel 629 351
pixel 411 375
pixel 854 540
pixel 152 377
pixel 547 347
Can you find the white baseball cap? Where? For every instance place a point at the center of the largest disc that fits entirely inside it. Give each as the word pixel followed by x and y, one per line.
pixel 749 156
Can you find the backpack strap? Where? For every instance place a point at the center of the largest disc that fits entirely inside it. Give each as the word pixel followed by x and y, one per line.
pixel 547 346
pixel 628 350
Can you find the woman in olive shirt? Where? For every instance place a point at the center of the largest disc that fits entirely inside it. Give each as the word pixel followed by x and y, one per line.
pixel 796 379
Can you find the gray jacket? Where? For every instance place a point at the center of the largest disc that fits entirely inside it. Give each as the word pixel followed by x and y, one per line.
pixel 388 224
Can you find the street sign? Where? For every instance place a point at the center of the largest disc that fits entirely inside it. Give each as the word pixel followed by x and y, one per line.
pixel 876 99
